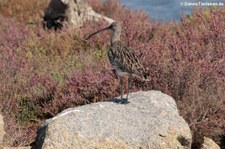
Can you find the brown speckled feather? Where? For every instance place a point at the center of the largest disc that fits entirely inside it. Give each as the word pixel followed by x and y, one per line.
pixel 123 58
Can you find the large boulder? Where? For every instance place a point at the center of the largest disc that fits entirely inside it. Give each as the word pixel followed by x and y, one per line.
pixel 75 12
pixel 149 121
pixel 2 132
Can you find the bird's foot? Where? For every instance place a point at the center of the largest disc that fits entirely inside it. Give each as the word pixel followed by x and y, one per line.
pixel 124 101
pixel 121 101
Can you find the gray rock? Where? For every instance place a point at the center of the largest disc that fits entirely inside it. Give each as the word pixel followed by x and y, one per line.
pixel 76 12
pixel 209 144
pixel 149 121
pixel 2 132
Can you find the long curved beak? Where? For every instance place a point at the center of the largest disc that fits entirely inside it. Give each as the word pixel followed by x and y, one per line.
pixel 109 27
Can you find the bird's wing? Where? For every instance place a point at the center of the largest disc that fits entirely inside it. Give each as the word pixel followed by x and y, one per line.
pixel 127 59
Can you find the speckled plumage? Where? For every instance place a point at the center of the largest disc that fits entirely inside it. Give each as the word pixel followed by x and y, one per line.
pixel 122 58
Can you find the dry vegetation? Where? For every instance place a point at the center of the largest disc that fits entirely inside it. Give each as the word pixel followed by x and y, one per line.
pixel 43 72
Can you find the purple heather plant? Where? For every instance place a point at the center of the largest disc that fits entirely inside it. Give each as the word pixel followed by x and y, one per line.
pixel 40 76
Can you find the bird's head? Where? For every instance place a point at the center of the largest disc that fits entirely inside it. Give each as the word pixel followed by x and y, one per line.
pixel 115 27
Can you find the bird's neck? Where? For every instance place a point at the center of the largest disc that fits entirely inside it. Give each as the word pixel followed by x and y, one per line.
pixel 115 37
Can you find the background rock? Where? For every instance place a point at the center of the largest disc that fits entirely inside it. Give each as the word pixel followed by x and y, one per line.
pixel 76 12
pixel 2 132
pixel 209 144
pixel 150 120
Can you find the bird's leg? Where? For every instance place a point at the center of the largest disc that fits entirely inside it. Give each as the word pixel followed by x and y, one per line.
pixel 121 87
pixel 129 84
pixel 125 100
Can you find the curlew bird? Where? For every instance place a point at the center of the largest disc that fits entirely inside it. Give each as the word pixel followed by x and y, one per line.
pixel 122 58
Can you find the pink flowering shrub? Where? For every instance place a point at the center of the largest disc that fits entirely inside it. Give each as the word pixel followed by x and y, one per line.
pixel 44 72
